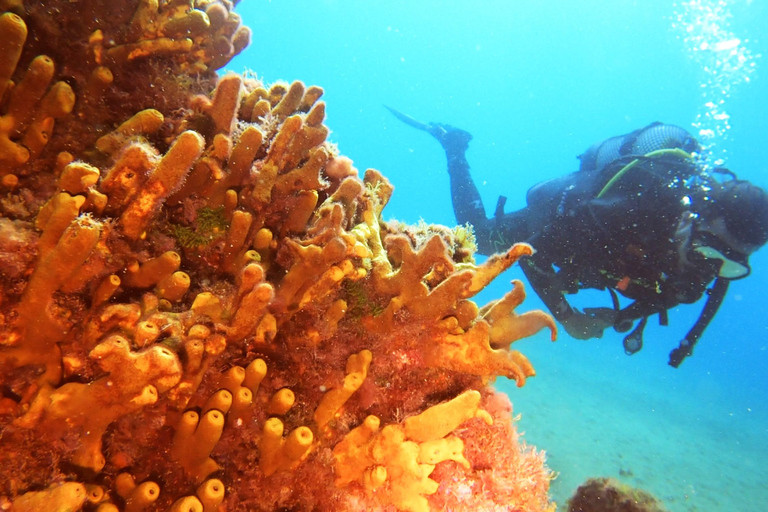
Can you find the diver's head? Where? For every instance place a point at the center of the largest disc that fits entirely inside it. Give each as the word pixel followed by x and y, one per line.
pixel 733 227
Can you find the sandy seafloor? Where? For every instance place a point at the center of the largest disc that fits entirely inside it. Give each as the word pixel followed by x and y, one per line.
pixel 537 83
pixel 694 445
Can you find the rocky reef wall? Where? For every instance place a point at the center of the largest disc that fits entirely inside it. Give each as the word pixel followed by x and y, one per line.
pixel 200 306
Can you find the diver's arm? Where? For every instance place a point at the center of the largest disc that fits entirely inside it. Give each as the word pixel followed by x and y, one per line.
pixel 716 296
pixel 640 309
pixel 544 282
pixel 589 324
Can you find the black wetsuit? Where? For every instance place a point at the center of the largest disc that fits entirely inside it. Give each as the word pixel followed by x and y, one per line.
pixel 625 237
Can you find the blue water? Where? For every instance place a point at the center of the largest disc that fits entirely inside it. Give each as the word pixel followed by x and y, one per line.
pixel 536 83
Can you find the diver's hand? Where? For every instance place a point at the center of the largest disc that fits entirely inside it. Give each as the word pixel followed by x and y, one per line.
pixel 677 355
pixel 589 324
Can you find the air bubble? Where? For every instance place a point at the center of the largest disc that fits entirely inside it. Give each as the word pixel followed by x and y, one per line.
pixel 724 59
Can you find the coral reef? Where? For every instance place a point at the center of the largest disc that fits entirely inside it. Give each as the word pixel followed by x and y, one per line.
pixel 200 306
pixel 609 495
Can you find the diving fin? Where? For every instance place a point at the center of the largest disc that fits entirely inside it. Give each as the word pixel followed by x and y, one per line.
pixel 409 120
pixel 454 140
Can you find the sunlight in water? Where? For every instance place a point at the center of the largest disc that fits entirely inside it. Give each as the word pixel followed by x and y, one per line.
pixel 725 61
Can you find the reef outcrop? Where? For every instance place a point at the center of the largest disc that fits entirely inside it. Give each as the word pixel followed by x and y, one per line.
pixel 610 495
pixel 201 308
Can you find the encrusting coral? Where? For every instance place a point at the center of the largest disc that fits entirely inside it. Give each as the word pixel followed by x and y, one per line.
pixel 200 306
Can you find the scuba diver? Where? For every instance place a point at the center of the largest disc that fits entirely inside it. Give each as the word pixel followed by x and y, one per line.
pixel 642 217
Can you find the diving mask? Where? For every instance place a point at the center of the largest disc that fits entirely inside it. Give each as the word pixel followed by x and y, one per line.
pixel 735 265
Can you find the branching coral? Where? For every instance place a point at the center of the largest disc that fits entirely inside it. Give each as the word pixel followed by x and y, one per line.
pixel 396 461
pixel 201 307
pixel 135 380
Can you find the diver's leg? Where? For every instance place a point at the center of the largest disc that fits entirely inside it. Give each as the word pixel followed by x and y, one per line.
pixel 467 204
pixel 504 231
pixel 493 235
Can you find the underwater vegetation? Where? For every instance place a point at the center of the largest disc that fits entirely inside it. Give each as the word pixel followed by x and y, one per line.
pixel 200 306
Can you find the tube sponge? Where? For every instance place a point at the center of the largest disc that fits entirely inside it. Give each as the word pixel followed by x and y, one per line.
pixel 142 123
pixel 333 400
pixel 166 177
pixel 57 498
pixel 278 453
pixel 13 33
pixel 195 439
pixel 442 419
pixel 137 497
pixel 211 494
pixel 31 107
